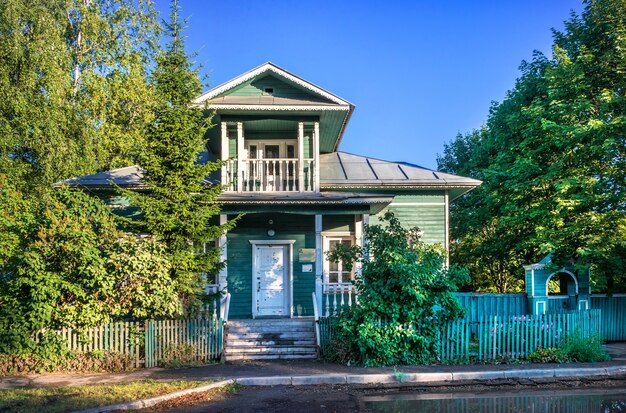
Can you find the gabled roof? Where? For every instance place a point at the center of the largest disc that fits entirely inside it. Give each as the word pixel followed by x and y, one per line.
pixel 320 96
pixel 291 95
pixel 342 170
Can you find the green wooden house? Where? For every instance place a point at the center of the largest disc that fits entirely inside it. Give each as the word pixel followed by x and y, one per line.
pixel 301 195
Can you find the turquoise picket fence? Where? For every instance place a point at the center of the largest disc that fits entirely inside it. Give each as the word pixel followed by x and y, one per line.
pixel 613 315
pixel 149 343
pixel 513 337
pixel 480 304
pixel 493 338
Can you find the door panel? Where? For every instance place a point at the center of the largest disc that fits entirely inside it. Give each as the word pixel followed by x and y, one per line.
pixel 271 281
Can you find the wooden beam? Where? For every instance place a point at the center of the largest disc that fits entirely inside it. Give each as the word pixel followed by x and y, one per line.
pixel 223 274
pixel 319 263
pixel 225 151
pixel 316 157
pixel 301 186
pixel 240 157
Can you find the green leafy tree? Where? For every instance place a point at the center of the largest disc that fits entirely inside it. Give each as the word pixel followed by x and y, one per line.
pixel 74 96
pixel 63 263
pixel 552 158
pixel 405 297
pixel 179 208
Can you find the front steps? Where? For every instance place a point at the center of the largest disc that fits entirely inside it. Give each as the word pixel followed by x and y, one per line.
pixel 270 339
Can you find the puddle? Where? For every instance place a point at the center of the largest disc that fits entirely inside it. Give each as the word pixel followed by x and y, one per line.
pixel 562 401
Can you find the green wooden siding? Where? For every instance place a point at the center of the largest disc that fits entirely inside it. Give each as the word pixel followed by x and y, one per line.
pixel 300 228
pixel 338 223
pixel 256 87
pixel 427 212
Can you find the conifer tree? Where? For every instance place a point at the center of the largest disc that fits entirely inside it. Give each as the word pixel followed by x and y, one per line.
pixel 179 207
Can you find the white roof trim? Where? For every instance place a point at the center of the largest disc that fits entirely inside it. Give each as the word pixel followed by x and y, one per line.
pixel 276 107
pixel 268 67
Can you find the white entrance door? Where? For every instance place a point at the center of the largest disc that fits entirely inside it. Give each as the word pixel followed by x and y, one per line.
pixel 271 279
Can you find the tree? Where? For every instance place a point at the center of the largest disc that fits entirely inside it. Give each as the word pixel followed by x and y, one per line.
pixel 73 90
pixel 64 264
pixel 552 158
pixel 179 207
pixel 405 297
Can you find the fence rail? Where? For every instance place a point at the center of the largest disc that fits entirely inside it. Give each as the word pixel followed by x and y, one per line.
pixel 150 343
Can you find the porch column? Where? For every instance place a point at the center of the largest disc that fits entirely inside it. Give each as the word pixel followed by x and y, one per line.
pixel 319 263
pixel 358 235
pixel 224 153
pixel 316 157
pixel 447 228
pixel 223 274
pixel 301 156
pixel 365 220
pixel 240 157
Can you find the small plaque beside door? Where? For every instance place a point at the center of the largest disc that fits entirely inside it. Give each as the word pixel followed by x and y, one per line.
pixel 306 255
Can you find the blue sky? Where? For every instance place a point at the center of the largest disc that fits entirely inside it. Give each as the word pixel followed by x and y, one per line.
pixel 418 72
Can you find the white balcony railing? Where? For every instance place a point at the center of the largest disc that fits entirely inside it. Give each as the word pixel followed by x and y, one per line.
pixel 270 175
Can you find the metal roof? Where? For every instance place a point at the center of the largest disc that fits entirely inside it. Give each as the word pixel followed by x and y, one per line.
pixel 342 170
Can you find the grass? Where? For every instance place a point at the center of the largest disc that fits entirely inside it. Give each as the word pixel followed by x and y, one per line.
pixel 67 399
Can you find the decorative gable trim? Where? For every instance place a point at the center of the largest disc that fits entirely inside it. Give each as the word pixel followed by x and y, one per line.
pixel 278 107
pixel 269 67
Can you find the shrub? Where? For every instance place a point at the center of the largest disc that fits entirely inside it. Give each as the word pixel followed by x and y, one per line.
pixel 97 361
pixel 548 355
pixel 405 295
pixel 179 355
pixel 581 348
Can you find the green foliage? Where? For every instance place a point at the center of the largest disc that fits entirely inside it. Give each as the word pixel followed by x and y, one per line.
pixel 63 263
pixel 74 96
pixel 581 348
pixel 180 355
pixel 552 158
pixel 405 295
pixel 180 208
pixel 577 347
pixel 548 355
pixel 95 361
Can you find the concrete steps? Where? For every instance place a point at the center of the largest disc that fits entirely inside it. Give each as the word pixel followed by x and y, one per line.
pixel 270 339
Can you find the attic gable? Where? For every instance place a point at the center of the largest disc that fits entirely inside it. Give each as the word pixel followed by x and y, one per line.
pixel 269 84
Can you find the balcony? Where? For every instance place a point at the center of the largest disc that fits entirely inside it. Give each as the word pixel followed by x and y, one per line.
pixel 266 155
pixel 270 175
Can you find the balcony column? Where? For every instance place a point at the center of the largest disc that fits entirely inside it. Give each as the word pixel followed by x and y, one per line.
pixel 301 186
pixel 319 263
pixel 225 180
pixel 316 157
pixel 241 173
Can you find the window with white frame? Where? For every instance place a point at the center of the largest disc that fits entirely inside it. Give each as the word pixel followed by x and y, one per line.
pixel 337 272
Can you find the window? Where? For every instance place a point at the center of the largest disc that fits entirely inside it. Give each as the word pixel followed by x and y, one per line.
pixel 336 272
pixel 253 152
pixel 268 90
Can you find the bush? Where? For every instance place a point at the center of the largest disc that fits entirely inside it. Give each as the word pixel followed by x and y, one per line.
pixel 581 348
pixel 179 355
pixel 96 361
pixel 548 355
pixel 405 295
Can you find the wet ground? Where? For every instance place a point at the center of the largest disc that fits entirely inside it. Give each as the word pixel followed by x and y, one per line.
pixel 328 398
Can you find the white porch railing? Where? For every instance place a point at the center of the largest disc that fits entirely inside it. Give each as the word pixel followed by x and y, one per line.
pixel 219 306
pixel 270 175
pixel 337 296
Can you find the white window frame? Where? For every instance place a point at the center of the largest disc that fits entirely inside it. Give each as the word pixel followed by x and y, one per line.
pixel 327 237
pixel 282 144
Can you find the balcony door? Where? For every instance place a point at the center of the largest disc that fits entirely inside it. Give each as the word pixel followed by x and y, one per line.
pixel 276 167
